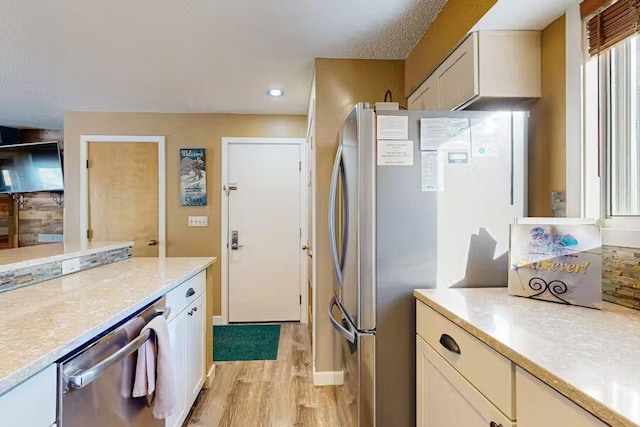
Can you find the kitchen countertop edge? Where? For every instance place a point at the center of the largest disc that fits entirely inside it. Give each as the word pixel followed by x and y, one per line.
pixel 593 406
pixel 19 376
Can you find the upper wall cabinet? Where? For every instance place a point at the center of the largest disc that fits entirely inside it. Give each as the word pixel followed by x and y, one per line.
pixel 488 69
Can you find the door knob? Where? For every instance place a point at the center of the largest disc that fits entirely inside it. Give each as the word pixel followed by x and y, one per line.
pixel 234 241
pixel 152 242
pixel 305 247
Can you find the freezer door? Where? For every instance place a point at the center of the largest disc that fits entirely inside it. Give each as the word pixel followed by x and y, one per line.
pixel 352 218
pixel 356 397
pixel 353 203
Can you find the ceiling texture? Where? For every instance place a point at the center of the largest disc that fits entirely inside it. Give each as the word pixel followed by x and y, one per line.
pixel 186 56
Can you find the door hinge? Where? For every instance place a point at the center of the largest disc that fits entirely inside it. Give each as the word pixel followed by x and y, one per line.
pixel 88 163
pixel 89 234
pixel 300 165
pixel 300 233
pixel 300 299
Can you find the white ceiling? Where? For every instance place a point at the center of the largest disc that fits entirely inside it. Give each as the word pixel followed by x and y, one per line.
pixel 186 55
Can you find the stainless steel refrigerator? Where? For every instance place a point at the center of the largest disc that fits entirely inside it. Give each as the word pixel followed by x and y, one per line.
pixel 418 200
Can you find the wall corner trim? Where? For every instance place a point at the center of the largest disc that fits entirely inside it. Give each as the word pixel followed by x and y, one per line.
pixel 210 376
pixel 328 378
pixel 574 113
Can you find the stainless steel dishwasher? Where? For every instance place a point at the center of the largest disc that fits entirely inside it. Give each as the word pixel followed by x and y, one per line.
pixel 96 380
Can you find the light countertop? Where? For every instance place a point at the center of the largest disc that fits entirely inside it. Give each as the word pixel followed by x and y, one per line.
pixel 29 256
pixel 41 323
pixel 588 355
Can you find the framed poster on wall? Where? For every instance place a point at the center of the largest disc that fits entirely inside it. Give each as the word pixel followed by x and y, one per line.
pixel 193 177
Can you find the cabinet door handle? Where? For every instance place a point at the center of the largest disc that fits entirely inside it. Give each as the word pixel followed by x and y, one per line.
pixel 190 292
pixel 195 309
pixel 493 424
pixel 190 313
pixel 450 344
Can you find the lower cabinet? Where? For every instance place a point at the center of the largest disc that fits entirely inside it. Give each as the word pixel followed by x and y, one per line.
pixel 446 399
pixel 450 392
pixel 187 333
pixel 195 349
pixel 540 405
pixel 177 337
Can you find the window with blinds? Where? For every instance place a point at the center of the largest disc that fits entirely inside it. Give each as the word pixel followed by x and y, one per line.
pixel 610 25
pixel 622 121
pixel 614 46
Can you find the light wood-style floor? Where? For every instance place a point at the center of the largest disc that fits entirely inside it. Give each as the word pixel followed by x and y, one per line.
pixel 268 393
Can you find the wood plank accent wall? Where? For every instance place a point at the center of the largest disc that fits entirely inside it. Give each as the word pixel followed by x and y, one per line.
pixel 40 215
pixel 6 222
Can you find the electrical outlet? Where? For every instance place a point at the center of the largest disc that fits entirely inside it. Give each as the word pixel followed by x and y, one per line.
pixel 50 238
pixel 70 266
pixel 198 221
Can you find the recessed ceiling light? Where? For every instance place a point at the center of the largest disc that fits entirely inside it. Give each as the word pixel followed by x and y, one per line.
pixel 276 93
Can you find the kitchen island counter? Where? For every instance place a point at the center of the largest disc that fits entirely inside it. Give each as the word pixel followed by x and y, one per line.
pixel 588 355
pixel 41 323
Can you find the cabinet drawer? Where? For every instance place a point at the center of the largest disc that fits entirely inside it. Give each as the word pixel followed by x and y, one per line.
pixel 32 403
pixel 446 399
pixel 186 293
pixel 490 372
pixel 540 405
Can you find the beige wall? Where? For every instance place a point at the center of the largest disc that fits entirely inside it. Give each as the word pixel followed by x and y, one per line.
pixel 181 131
pixel 455 20
pixel 547 143
pixel 340 84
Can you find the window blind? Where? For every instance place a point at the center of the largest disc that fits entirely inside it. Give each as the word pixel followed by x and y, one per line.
pixel 612 25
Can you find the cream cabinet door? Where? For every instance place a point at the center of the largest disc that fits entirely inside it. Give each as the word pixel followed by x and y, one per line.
pixel 540 405
pixel 426 97
pixel 457 77
pixel 177 338
pixel 446 399
pixel 195 349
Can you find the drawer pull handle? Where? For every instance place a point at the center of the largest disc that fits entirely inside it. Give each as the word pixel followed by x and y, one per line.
pixel 493 424
pixel 450 344
pixel 190 292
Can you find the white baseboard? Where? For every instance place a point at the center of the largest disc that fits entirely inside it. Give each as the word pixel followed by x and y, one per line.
pixel 218 320
pixel 210 376
pixel 328 378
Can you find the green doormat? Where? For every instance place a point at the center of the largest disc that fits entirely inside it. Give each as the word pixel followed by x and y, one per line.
pixel 245 342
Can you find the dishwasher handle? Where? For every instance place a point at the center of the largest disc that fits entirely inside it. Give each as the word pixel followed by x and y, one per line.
pixel 87 376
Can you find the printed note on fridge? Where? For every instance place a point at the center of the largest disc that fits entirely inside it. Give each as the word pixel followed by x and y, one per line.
pixel 445 134
pixel 393 127
pixel 395 153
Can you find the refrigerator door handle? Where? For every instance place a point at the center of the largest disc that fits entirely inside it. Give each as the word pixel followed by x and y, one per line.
pixel 345 216
pixel 333 190
pixel 350 333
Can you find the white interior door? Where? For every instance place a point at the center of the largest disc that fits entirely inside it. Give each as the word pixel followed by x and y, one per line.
pixel 264 223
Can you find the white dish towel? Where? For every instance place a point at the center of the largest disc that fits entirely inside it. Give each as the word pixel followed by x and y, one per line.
pixel 154 369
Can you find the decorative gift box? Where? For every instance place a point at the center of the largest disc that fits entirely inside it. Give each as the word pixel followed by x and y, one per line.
pixel 556 260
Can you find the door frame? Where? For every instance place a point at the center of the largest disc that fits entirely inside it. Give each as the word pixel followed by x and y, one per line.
pixel 84 182
pixel 224 220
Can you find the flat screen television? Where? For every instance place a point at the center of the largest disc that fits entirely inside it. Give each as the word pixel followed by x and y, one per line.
pixel 25 168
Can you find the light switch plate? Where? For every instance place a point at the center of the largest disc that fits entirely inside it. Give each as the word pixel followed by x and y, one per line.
pixel 70 266
pixel 198 221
